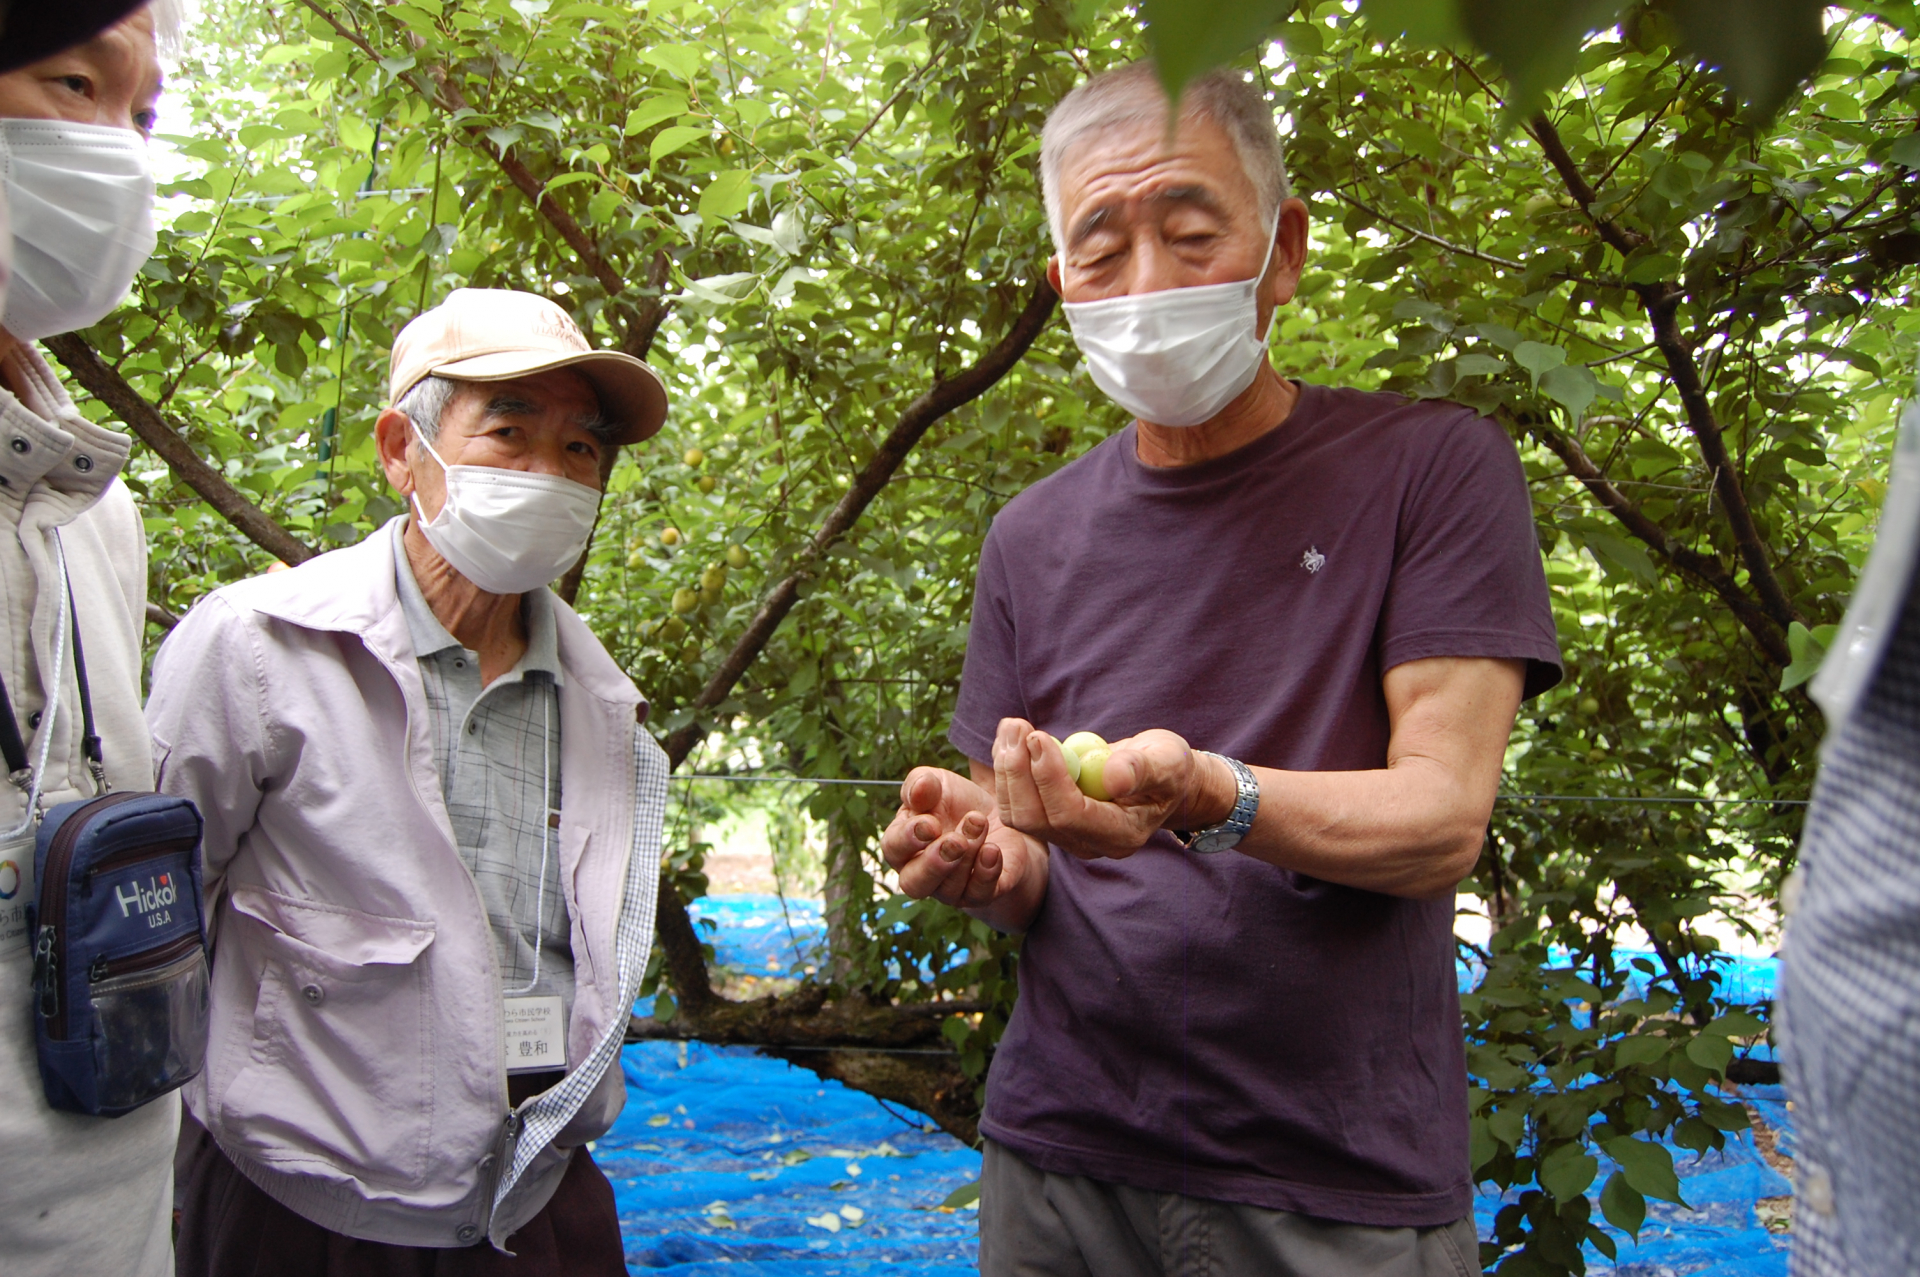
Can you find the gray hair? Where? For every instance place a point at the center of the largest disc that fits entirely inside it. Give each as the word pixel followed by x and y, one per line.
pixel 169 25
pixel 426 402
pixel 1132 94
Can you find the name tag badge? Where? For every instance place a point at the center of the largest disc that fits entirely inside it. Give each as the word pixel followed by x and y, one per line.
pixel 16 891
pixel 536 1034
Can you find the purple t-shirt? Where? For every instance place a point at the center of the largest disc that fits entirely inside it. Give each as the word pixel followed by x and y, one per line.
pixel 1212 1025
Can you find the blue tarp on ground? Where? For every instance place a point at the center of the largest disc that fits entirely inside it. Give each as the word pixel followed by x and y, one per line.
pixel 728 1162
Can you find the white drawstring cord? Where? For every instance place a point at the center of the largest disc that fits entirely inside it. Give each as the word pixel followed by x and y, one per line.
pixel 53 702
pixel 546 837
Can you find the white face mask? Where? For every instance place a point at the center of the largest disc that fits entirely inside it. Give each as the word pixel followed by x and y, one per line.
pixel 508 531
pixel 81 201
pixel 1178 356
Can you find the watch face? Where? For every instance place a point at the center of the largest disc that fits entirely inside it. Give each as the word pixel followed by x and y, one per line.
pixel 1218 840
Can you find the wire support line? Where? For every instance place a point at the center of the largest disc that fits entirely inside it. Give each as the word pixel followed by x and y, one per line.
pixel 1630 799
pixel 1627 798
pixel 786 780
pixel 777 1046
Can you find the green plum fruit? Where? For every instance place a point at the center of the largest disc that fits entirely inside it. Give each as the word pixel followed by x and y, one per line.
pixel 685 600
pixel 1093 772
pixel 1073 761
pixel 737 556
pixel 1081 742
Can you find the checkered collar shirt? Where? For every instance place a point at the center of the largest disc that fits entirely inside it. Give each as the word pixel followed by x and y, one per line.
pixel 494 748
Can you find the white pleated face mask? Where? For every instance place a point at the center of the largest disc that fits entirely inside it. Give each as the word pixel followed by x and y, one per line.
pixel 508 531
pixel 1178 356
pixel 80 197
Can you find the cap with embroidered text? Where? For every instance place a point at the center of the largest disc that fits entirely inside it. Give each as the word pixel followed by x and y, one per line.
pixel 498 334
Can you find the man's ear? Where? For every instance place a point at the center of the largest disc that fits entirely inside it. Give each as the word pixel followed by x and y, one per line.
pixel 392 434
pixel 1053 272
pixel 1289 251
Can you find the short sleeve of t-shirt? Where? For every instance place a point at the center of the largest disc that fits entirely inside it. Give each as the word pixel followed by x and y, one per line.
pixel 989 680
pixel 1466 579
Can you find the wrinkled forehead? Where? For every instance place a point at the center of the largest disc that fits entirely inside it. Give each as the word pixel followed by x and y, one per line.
pixel 559 390
pixel 1140 166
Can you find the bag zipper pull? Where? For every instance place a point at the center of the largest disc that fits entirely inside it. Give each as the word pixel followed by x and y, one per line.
pixel 46 973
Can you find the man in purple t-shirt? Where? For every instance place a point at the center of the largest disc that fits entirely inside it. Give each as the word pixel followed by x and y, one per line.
pixel 1306 618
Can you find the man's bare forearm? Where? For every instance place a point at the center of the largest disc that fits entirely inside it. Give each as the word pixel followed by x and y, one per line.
pixel 1407 830
pixel 1412 828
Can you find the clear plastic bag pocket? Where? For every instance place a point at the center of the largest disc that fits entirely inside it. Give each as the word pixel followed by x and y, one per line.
pixel 150 1030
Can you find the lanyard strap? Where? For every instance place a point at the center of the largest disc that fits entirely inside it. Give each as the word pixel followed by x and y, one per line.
pixel 90 750
pixel 13 746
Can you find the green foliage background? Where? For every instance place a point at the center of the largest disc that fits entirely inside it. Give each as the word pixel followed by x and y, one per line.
pixel 839 201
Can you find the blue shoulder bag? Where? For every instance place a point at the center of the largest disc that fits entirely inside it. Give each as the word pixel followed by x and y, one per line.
pixel 119 941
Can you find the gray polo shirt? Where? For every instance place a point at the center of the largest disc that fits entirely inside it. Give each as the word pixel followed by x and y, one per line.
pixel 488 745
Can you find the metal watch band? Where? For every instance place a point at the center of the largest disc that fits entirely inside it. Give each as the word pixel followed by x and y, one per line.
pixel 1227 834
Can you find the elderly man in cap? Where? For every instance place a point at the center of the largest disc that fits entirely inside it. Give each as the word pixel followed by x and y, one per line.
pixel 79 81
pixel 432 839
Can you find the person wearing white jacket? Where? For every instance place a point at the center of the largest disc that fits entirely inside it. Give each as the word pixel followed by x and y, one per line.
pixel 432 846
pixel 78 84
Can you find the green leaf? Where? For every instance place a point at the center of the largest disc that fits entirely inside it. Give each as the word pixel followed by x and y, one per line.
pixel 1537 357
pixel 1807 652
pixel 727 195
pixel 1762 48
pixel 653 110
pixel 1614 551
pixel 1737 1024
pixel 965 1195
pixel 663 1007
pixel 667 141
pixel 1647 1166
pixel 1481 1146
pixel 1187 37
pixel 1567 1171
pixel 1643 1048
pixel 1572 386
pixel 723 290
pixel 1905 151
pixel 1710 1051
pixel 1475 364
pixel 1500 1073
pixel 683 60
pixel 1623 1205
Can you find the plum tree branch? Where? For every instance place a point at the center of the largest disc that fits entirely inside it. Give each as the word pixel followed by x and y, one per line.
pixel 1704 568
pixel 1661 302
pixel 643 318
pixel 104 382
pixel 678 941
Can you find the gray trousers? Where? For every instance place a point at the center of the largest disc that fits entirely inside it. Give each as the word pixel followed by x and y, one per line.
pixel 1037 1224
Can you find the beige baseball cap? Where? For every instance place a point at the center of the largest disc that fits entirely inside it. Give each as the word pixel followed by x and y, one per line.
pixel 497 334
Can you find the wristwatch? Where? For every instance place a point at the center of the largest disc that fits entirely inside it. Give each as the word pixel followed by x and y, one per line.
pixel 1227 834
